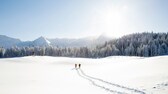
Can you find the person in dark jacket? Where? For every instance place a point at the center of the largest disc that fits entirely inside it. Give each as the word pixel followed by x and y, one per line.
pixel 79 65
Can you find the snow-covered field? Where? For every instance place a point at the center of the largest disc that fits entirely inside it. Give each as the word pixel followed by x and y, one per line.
pixel 111 75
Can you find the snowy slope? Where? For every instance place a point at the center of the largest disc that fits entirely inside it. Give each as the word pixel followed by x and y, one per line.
pixel 111 75
pixel 7 42
pixel 81 42
pixel 41 41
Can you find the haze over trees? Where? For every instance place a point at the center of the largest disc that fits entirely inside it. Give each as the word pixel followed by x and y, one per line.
pixel 139 44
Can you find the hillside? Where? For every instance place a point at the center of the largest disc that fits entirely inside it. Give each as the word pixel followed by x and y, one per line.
pixel 138 44
pixel 7 42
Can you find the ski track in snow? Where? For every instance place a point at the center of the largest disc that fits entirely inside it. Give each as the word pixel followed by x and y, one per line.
pixel 100 86
pixel 108 86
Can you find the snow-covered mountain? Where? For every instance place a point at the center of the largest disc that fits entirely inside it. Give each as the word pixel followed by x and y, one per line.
pixel 88 41
pixel 8 42
pixel 41 41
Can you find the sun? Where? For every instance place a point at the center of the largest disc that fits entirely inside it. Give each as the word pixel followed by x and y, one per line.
pixel 113 21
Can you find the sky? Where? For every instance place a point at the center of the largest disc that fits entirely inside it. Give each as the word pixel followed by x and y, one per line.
pixel 30 19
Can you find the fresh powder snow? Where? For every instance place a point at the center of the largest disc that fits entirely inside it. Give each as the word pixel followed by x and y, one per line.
pixel 58 75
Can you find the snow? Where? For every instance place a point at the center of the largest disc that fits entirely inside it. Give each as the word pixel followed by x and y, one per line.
pixel 7 42
pixel 41 41
pixel 111 75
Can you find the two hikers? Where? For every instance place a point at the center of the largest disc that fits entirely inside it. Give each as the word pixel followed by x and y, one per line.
pixel 77 65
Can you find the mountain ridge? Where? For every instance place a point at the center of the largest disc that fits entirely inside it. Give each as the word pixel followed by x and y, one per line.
pixel 59 42
pixel 7 42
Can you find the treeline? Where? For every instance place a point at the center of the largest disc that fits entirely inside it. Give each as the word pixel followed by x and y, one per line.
pixel 139 44
pixel 45 51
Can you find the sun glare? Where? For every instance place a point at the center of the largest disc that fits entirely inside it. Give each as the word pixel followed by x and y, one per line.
pixel 113 21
